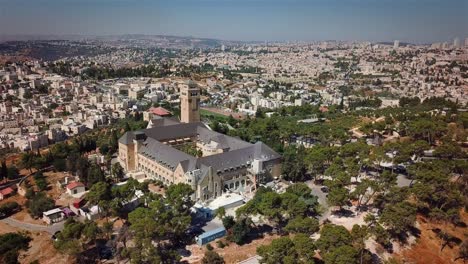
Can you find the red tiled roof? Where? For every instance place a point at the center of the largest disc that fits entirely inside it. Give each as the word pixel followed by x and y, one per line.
pixel 73 185
pixel 323 109
pixel 77 203
pixel 78 200
pixel 160 111
pixel 7 191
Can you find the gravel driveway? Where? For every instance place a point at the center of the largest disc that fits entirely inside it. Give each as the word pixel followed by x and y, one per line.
pixel 51 229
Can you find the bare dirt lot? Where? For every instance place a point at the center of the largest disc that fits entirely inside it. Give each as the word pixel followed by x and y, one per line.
pixel 232 253
pixel 52 177
pixel 427 250
pixel 40 248
pixel 22 215
pixel 12 159
pixel 5 228
pixel 53 191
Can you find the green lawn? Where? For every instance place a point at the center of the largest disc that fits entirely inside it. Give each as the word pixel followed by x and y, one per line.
pixel 205 112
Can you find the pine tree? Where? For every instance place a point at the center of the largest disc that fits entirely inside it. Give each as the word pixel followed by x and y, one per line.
pixel 3 170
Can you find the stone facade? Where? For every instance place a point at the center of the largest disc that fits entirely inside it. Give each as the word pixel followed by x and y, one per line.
pixel 189 103
pixel 225 163
pixel 232 165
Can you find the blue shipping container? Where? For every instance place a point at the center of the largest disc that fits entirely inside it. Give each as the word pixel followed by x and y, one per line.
pixel 211 235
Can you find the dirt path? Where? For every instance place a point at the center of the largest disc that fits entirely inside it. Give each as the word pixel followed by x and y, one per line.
pixel 33 227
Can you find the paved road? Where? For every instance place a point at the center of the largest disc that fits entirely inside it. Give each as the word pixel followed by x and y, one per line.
pixel 32 227
pixel 322 199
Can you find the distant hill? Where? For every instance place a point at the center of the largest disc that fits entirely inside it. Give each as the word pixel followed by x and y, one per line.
pixel 47 49
pixel 5 38
pixel 135 40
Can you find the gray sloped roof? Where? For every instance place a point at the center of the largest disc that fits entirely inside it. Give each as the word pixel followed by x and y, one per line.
pixel 226 160
pixel 127 138
pixel 264 152
pixel 158 121
pixel 165 154
pixel 239 157
pixel 190 164
pixel 224 142
pixel 172 131
pixel 240 153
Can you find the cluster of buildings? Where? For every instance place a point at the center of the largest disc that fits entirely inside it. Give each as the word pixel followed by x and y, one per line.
pixel 40 105
pixel 217 163
pixel 317 71
pixel 456 44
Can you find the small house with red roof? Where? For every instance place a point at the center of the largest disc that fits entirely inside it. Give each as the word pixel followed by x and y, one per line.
pixel 323 109
pixel 7 192
pixel 155 111
pixel 75 188
pixel 76 204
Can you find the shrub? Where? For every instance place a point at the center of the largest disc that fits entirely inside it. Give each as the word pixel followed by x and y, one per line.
pixel 209 247
pixel 9 208
pixel 220 244
pixel 10 244
pixel 228 222
pixel 212 257
pixel 39 203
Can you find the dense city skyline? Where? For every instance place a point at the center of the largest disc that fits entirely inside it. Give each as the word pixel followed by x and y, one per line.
pixel 258 20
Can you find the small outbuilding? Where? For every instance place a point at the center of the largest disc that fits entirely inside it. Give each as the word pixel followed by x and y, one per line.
pixel 90 213
pixel 68 212
pixel 53 216
pixel 76 204
pixel 7 192
pixel 211 235
pixel 75 188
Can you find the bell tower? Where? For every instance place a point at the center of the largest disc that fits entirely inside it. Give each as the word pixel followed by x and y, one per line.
pixel 189 103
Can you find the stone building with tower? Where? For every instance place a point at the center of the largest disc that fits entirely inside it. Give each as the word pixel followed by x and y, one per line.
pixel 189 103
pixel 189 152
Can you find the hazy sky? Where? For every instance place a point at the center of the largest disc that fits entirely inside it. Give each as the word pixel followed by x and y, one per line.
pixel 374 20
